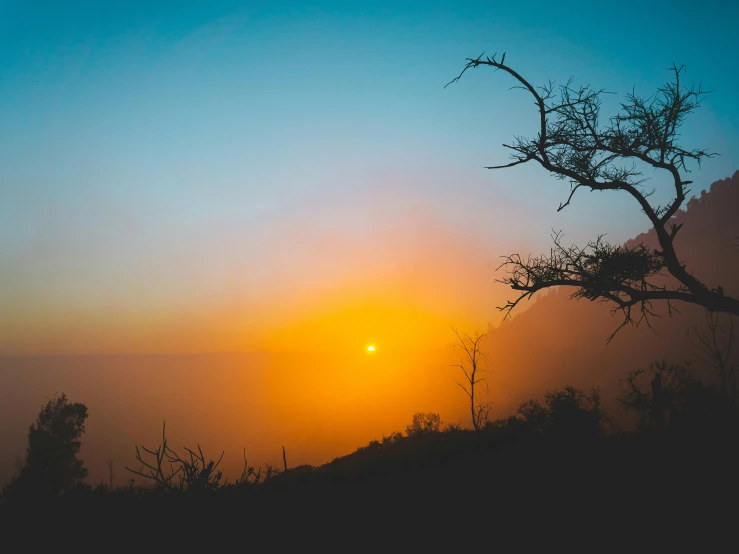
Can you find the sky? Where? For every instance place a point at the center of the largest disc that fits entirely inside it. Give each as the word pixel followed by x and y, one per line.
pixel 225 176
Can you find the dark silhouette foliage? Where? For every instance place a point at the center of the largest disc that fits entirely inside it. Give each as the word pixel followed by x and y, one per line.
pixel 554 451
pixel 534 415
pixel 567 412
pixel 51 465
pixel 668 398
pixel 575 412
pixel 424 423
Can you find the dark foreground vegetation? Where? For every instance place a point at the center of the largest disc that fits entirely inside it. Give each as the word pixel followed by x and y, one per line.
pixel 558 471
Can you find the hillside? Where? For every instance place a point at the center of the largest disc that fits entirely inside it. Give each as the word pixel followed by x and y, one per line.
pixel 559 340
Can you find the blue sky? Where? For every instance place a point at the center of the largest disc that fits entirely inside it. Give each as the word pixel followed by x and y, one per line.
pixel 160 164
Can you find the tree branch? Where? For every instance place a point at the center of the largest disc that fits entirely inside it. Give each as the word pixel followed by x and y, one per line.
pixel 573 144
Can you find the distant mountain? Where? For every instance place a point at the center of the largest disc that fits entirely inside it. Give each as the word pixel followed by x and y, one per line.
pixel 559 340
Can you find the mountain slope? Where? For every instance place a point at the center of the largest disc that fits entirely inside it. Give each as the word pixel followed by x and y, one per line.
pixel 559 340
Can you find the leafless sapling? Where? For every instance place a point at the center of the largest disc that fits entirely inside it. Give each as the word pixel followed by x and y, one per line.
pixel 471 367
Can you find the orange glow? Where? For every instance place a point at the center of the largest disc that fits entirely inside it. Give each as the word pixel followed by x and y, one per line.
pixel 300 372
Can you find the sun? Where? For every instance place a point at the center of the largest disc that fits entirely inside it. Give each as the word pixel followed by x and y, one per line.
pixel 370 349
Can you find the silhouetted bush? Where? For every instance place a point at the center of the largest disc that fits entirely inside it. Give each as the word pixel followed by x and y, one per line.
pixel 572 411
pixel 534 415
pixel 452 427
pixel 568 411
pixel 392 438
pixel 423 423
pixel 193 473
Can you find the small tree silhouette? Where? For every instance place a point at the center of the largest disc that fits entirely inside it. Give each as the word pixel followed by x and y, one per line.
pixel 473 356
pixel 51 465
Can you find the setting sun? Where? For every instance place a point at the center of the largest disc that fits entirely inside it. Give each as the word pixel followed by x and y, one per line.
pixel 370 348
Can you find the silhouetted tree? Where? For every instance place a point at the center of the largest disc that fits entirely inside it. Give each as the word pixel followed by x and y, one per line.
pixel 470 366
pixel 51 465
pixel 574 143
pixel 714 349
pixel 659 394
pixel 423 423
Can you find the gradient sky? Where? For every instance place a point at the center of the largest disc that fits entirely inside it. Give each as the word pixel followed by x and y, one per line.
pixel 227 176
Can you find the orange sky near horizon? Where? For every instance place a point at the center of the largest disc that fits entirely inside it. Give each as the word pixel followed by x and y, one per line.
pixel 400 283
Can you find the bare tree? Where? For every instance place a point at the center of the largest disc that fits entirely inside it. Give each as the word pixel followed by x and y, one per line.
pixel 470 366
pixel 714 350
pixel 574 144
